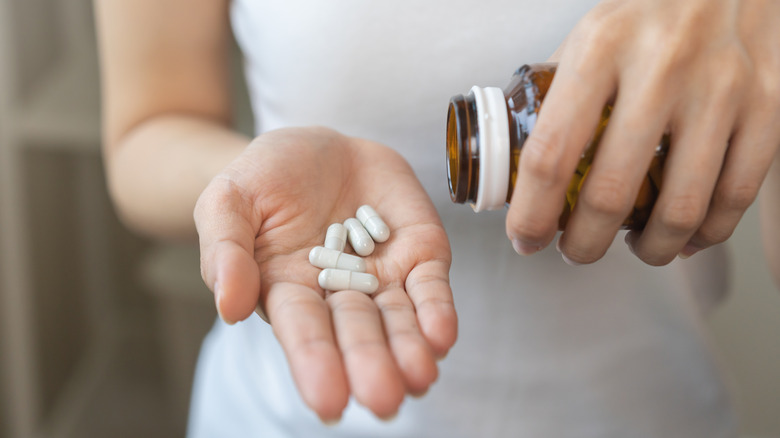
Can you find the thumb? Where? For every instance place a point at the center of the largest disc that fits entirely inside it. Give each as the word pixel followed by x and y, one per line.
pixel 226 229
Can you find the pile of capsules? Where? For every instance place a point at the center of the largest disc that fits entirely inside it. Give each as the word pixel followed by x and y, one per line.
pixel 342 271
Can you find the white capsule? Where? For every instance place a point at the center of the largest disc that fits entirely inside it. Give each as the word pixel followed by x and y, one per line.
pixel 322 257
pixel 359 238
pixel 373 223
pixel 339 279
pixel 336 237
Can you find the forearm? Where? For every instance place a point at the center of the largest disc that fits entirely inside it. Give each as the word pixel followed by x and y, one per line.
pixel 157 170
pixel 770 218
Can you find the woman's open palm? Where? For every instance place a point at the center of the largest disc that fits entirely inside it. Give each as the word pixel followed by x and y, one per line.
pixel 259 219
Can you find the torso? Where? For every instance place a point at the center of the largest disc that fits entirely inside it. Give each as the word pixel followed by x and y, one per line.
pixel 614 349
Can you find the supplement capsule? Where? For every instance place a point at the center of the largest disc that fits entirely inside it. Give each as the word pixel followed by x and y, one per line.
pixel 339 279
pixel 336 237
pixel 359 238
pixel 374 224
pixel 322 257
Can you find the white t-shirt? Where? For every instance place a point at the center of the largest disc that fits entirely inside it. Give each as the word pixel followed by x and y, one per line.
pixel 613 349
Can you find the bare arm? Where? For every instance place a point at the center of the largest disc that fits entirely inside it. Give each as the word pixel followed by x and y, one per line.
pixel 166 108
pixel 169 151
pixel 770 218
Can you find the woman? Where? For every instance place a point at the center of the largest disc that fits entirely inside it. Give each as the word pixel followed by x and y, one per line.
pixel 613 349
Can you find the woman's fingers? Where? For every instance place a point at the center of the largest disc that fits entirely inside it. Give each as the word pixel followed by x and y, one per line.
pixel 707 72
pixel 411 351
pixel 226 229
pixel 747 162
pixel 700 137
pixel 302 324
pixel 567 119
pixel 371 348
pixel 374 378
pixel 608 194
pixel 428 288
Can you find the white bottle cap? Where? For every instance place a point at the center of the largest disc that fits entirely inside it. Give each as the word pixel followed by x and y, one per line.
pixel 493 127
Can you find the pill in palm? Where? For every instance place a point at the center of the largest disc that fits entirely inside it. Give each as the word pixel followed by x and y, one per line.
pixel 359 238
pixel 340 279
pixel 322 257
pixel 373 223
pixel 336 237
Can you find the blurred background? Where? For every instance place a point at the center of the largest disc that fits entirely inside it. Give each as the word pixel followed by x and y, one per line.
pixel 99 329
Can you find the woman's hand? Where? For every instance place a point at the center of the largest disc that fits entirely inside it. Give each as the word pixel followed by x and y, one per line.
pixel 259 219
pixel 706 71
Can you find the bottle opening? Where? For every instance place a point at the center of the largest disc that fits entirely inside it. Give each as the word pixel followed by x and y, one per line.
pixel 461 147
pixel 452 152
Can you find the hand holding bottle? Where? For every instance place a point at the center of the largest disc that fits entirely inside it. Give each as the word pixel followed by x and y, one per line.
pixel 703 71
pixel 262 215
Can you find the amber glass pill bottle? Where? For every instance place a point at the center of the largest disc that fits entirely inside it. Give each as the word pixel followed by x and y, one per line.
pixel 486 130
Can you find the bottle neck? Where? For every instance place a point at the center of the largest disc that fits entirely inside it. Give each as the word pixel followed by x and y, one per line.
pixel 478 148
pixel 462 149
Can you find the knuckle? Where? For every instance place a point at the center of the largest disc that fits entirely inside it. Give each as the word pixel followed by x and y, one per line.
pixel 735 197
pixel 541 160
pixel 688 22
pixel 218 189
pixel 673 45
pixel 734 71
pixel 223 192
pixel 608 195
pixel 203 201
pixel 351 303
pixel 709 235
pixel 202 207
pixel 682 214
pixel 768 89
pixel 389 308
pixel 597 37
pixel 771 97
pixel 528 229
pixel 671 55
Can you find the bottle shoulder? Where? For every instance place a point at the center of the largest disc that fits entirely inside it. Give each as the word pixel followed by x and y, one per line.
pixel 528 86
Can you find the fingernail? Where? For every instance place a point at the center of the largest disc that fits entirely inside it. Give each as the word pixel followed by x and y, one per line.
pixel 218 303
pixel 390 417
pixel 523 248
pixel 569 261
pixel 330 422
pixel 261 313
pixel 688 250
pixel 419 394
pixel 558 246
pixel 630 239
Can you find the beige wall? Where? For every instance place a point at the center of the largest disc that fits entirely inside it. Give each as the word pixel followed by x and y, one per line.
pixel 35 23
pixel 3 389
pixel 747 332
